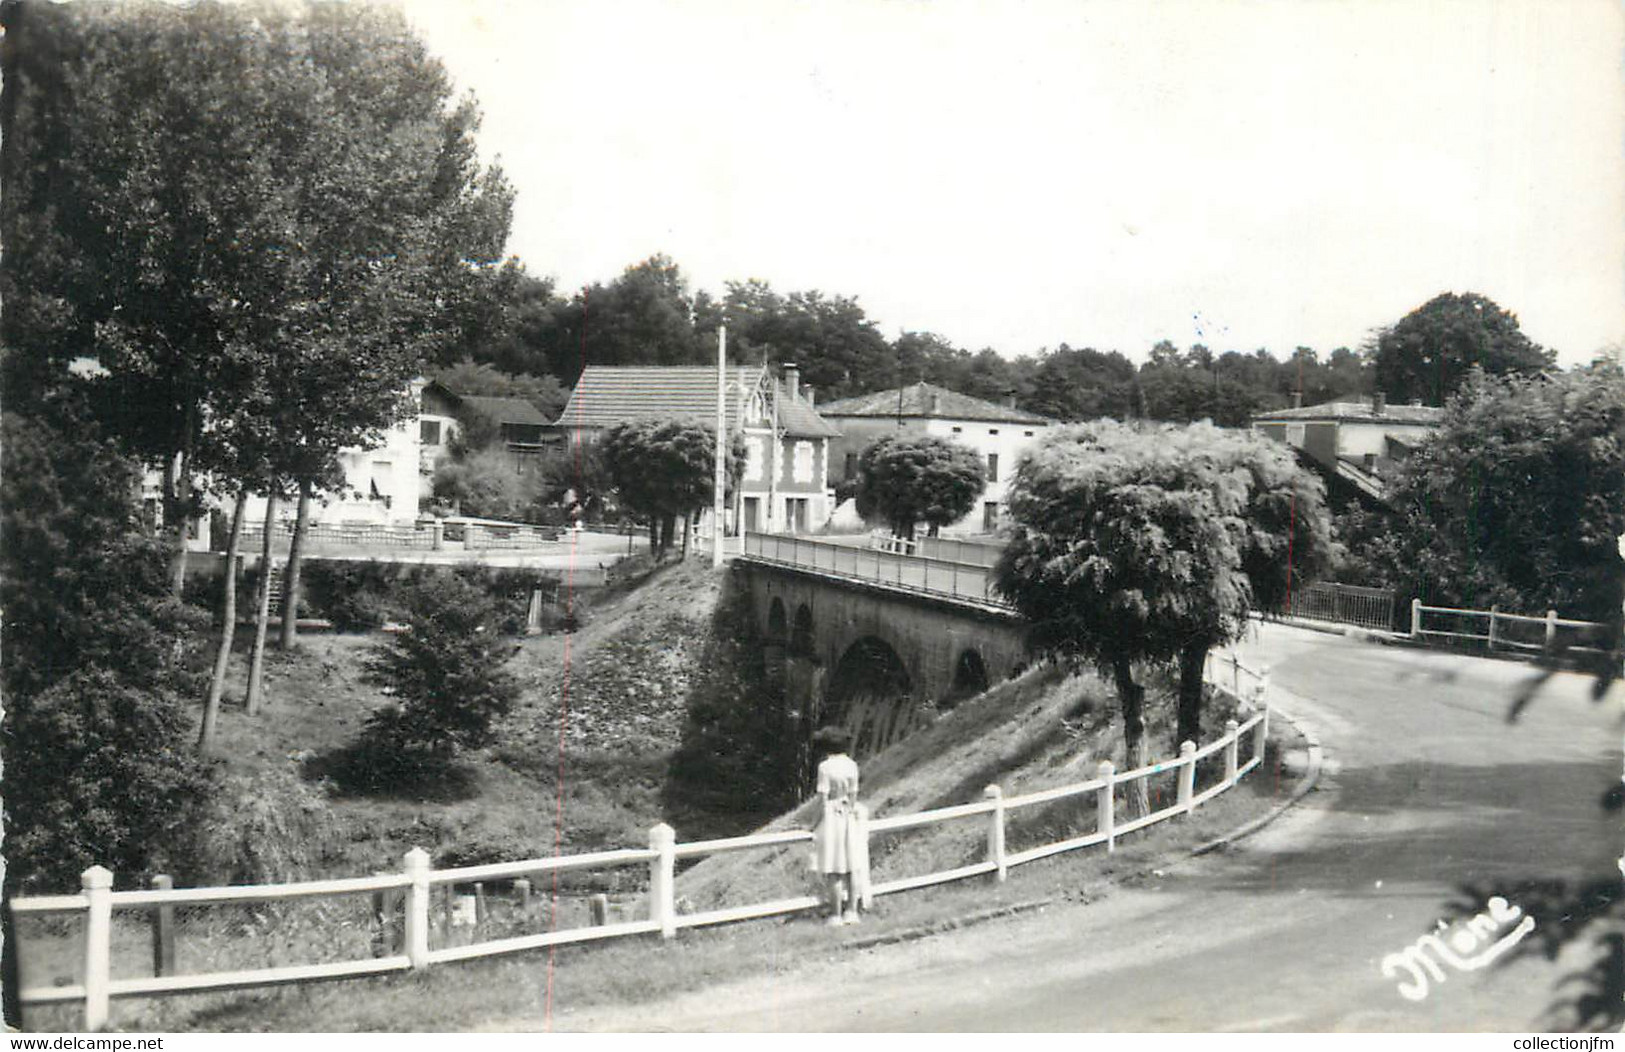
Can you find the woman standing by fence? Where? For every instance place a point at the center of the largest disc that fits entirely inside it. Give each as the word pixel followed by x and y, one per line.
pixel 841 841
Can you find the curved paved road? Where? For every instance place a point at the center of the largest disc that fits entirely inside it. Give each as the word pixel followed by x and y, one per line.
pixel 1427 789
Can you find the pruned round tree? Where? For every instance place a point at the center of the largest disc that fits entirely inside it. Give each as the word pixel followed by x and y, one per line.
pixel 1429 353
pixel 665 469
pixel 907 481
pixel 1143 545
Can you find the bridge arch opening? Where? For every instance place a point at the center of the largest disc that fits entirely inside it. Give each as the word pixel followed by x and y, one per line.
pixel 970 677
pixel 801 633
pixel 871 695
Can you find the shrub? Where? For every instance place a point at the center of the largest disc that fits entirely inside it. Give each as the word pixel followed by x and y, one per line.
pixel 361 596
pixel 97 661
pixel 446 670
pixel 99 772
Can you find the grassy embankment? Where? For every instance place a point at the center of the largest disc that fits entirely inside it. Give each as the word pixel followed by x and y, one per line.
pixel 619 713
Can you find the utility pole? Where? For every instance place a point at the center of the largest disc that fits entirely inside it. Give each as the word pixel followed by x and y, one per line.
pixel 722 445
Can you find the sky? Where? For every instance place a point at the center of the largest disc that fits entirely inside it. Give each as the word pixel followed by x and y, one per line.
pixel 1017 175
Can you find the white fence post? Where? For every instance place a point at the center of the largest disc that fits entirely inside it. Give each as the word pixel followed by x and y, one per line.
pixel 417 907
pixel 995 832
pixel 1551 631
pixel 1107 820
pixel 1490 643
pixel 1416 617
pixel 662 875
pixel 1187 775
pixel 97 883
pixel 1230 727
pixel 1261 702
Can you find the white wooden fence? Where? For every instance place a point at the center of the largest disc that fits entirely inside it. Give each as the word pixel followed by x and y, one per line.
pixel 97 903
pixel 1495 629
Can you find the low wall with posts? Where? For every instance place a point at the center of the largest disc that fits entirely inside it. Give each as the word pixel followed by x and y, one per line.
pixel 410 933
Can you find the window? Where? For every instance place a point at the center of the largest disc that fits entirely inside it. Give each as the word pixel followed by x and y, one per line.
pixel 851 465
pixel 429 432
pixel 802 467
pixel 992 430
pixel 755 454
pixel 1026 434
pixel 957 430
pixel 993 467
pixel 990 516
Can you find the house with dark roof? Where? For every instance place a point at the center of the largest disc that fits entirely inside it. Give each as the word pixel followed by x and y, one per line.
pixel 787 441
pixel 442 413
pixel 1356 442
pixel 999 434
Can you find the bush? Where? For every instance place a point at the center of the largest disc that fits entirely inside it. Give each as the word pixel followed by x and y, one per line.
pixel 97 661
pixel 99 772
pixel 361 596
pixel 446 670
pixel 355 596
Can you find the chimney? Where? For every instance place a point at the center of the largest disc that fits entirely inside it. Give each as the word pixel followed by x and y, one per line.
pixel 1010 398
pixel 1297 399
pixel 792 379
pixel 1379 402
pixel 807 393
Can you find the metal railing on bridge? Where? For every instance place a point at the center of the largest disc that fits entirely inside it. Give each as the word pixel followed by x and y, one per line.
pixel 946 549
pixel 1346 604
pixel 966 582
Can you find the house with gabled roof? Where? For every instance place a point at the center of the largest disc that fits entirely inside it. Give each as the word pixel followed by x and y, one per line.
pixel 999 434
pixel 787 441
pixel 1356 442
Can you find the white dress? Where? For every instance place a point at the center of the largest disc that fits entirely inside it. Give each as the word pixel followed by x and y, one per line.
pixel 841 840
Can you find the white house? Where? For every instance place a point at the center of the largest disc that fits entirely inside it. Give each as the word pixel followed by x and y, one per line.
pixel 787 442
pixel 1354 440
pixel 999 434
pixel 382 484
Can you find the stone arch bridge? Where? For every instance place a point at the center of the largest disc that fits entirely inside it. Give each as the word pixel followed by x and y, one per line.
pixel 876 641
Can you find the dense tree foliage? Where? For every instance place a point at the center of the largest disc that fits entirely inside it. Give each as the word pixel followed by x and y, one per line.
pixel 258 220
pixel 98 660
pixel 468 377
pixel 907 481
pixel 488 484
pixel 1430 352
pixel 643 317
pixel 839 350
pixel 1518 500
pixel 664 470
pixel 1143 544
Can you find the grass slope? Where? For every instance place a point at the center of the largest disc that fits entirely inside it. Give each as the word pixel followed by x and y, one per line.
pixel 613 693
